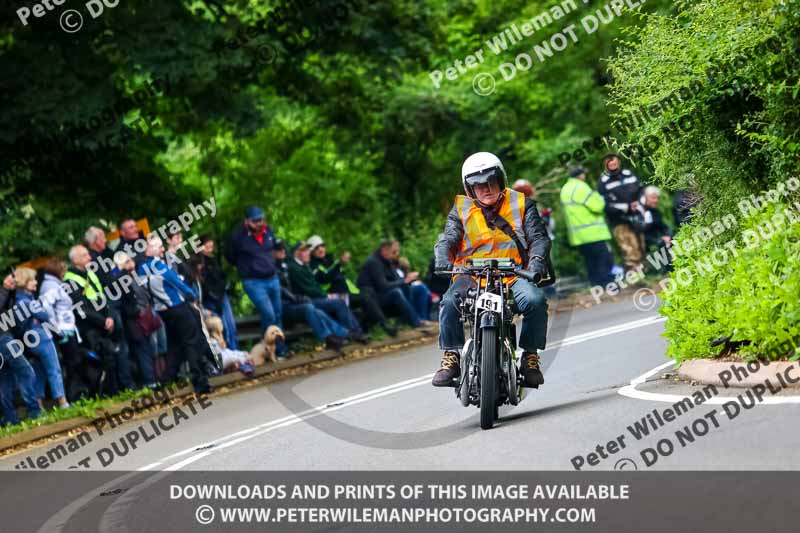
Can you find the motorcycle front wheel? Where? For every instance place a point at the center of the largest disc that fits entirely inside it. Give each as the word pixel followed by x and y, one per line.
pixel 488 377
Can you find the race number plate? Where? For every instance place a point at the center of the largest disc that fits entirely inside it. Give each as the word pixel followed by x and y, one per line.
pixel 490 302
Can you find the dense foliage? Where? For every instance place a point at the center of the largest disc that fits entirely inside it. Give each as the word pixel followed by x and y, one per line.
pixel 740 62
pixel 747 292
pixel 326 115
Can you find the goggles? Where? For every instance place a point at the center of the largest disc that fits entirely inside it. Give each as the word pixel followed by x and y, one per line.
pixel 483 177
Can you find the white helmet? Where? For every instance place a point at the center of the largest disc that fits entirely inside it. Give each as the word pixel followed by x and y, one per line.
pixel 480 168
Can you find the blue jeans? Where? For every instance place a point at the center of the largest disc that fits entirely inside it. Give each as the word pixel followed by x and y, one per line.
pixel 394 302
pixel 266 295
pixel 530 301
pixel 16 371
pixel 229 324
pixel 321 324
pixel 420 297
pixel 46 366
pixel 338 310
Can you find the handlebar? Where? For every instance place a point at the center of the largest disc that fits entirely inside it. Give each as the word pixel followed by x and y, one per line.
pixel 505 271
pixel 533 277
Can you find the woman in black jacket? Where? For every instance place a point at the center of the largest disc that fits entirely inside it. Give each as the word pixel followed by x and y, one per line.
pixel 215 291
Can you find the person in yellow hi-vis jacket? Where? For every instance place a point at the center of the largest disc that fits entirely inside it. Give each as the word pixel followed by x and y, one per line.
pixel 586 225
pixel 493 221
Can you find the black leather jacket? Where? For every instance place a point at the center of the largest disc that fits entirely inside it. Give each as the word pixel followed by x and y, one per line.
pixel 534 228
pixel 619 190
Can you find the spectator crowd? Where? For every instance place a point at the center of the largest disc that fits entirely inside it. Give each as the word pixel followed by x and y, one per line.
pixel 141 316
pixel 620 207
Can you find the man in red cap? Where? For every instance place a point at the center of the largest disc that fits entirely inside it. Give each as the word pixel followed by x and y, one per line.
pixel 249 249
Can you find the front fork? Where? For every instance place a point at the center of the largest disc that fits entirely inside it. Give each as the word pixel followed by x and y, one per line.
pixel 508 343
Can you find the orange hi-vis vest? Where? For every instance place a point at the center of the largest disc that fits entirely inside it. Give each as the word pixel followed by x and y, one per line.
pixel 480 241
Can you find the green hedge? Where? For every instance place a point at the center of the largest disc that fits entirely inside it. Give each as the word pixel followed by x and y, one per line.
pixel 749 291
pixel 727 74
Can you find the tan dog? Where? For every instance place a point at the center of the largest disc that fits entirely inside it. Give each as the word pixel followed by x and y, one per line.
pixel 267 347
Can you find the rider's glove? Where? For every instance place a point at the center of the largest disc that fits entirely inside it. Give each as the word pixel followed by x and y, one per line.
pixel 538 266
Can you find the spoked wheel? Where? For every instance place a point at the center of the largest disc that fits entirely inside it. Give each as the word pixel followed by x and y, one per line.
pixel 489 409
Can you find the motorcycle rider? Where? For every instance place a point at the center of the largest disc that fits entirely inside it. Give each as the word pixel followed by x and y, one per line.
pixel 493 221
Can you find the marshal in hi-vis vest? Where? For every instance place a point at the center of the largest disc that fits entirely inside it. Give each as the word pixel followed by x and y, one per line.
pixel 482 242
pixel 93 290
pixel 583 211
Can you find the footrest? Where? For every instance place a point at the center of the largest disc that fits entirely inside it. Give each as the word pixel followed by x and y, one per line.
pixel 453 383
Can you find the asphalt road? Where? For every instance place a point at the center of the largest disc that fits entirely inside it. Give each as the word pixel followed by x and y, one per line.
pixel 382 414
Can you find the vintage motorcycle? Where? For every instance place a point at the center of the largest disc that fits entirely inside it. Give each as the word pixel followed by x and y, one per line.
pixel 489 373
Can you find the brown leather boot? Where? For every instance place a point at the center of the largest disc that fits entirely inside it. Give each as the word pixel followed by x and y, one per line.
pixel 449 372
pixel 530 370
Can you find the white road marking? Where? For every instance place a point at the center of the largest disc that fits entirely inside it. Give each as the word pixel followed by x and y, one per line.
pixel 606 331
pixel 631 392
pixel 59 520
pixel 249 433
pixel 281 422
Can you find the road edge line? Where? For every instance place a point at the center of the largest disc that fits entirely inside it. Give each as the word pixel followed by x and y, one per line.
pixel 630 391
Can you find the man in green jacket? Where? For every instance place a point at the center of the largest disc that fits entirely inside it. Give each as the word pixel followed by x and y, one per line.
pixel 586 225
pixel 303 283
